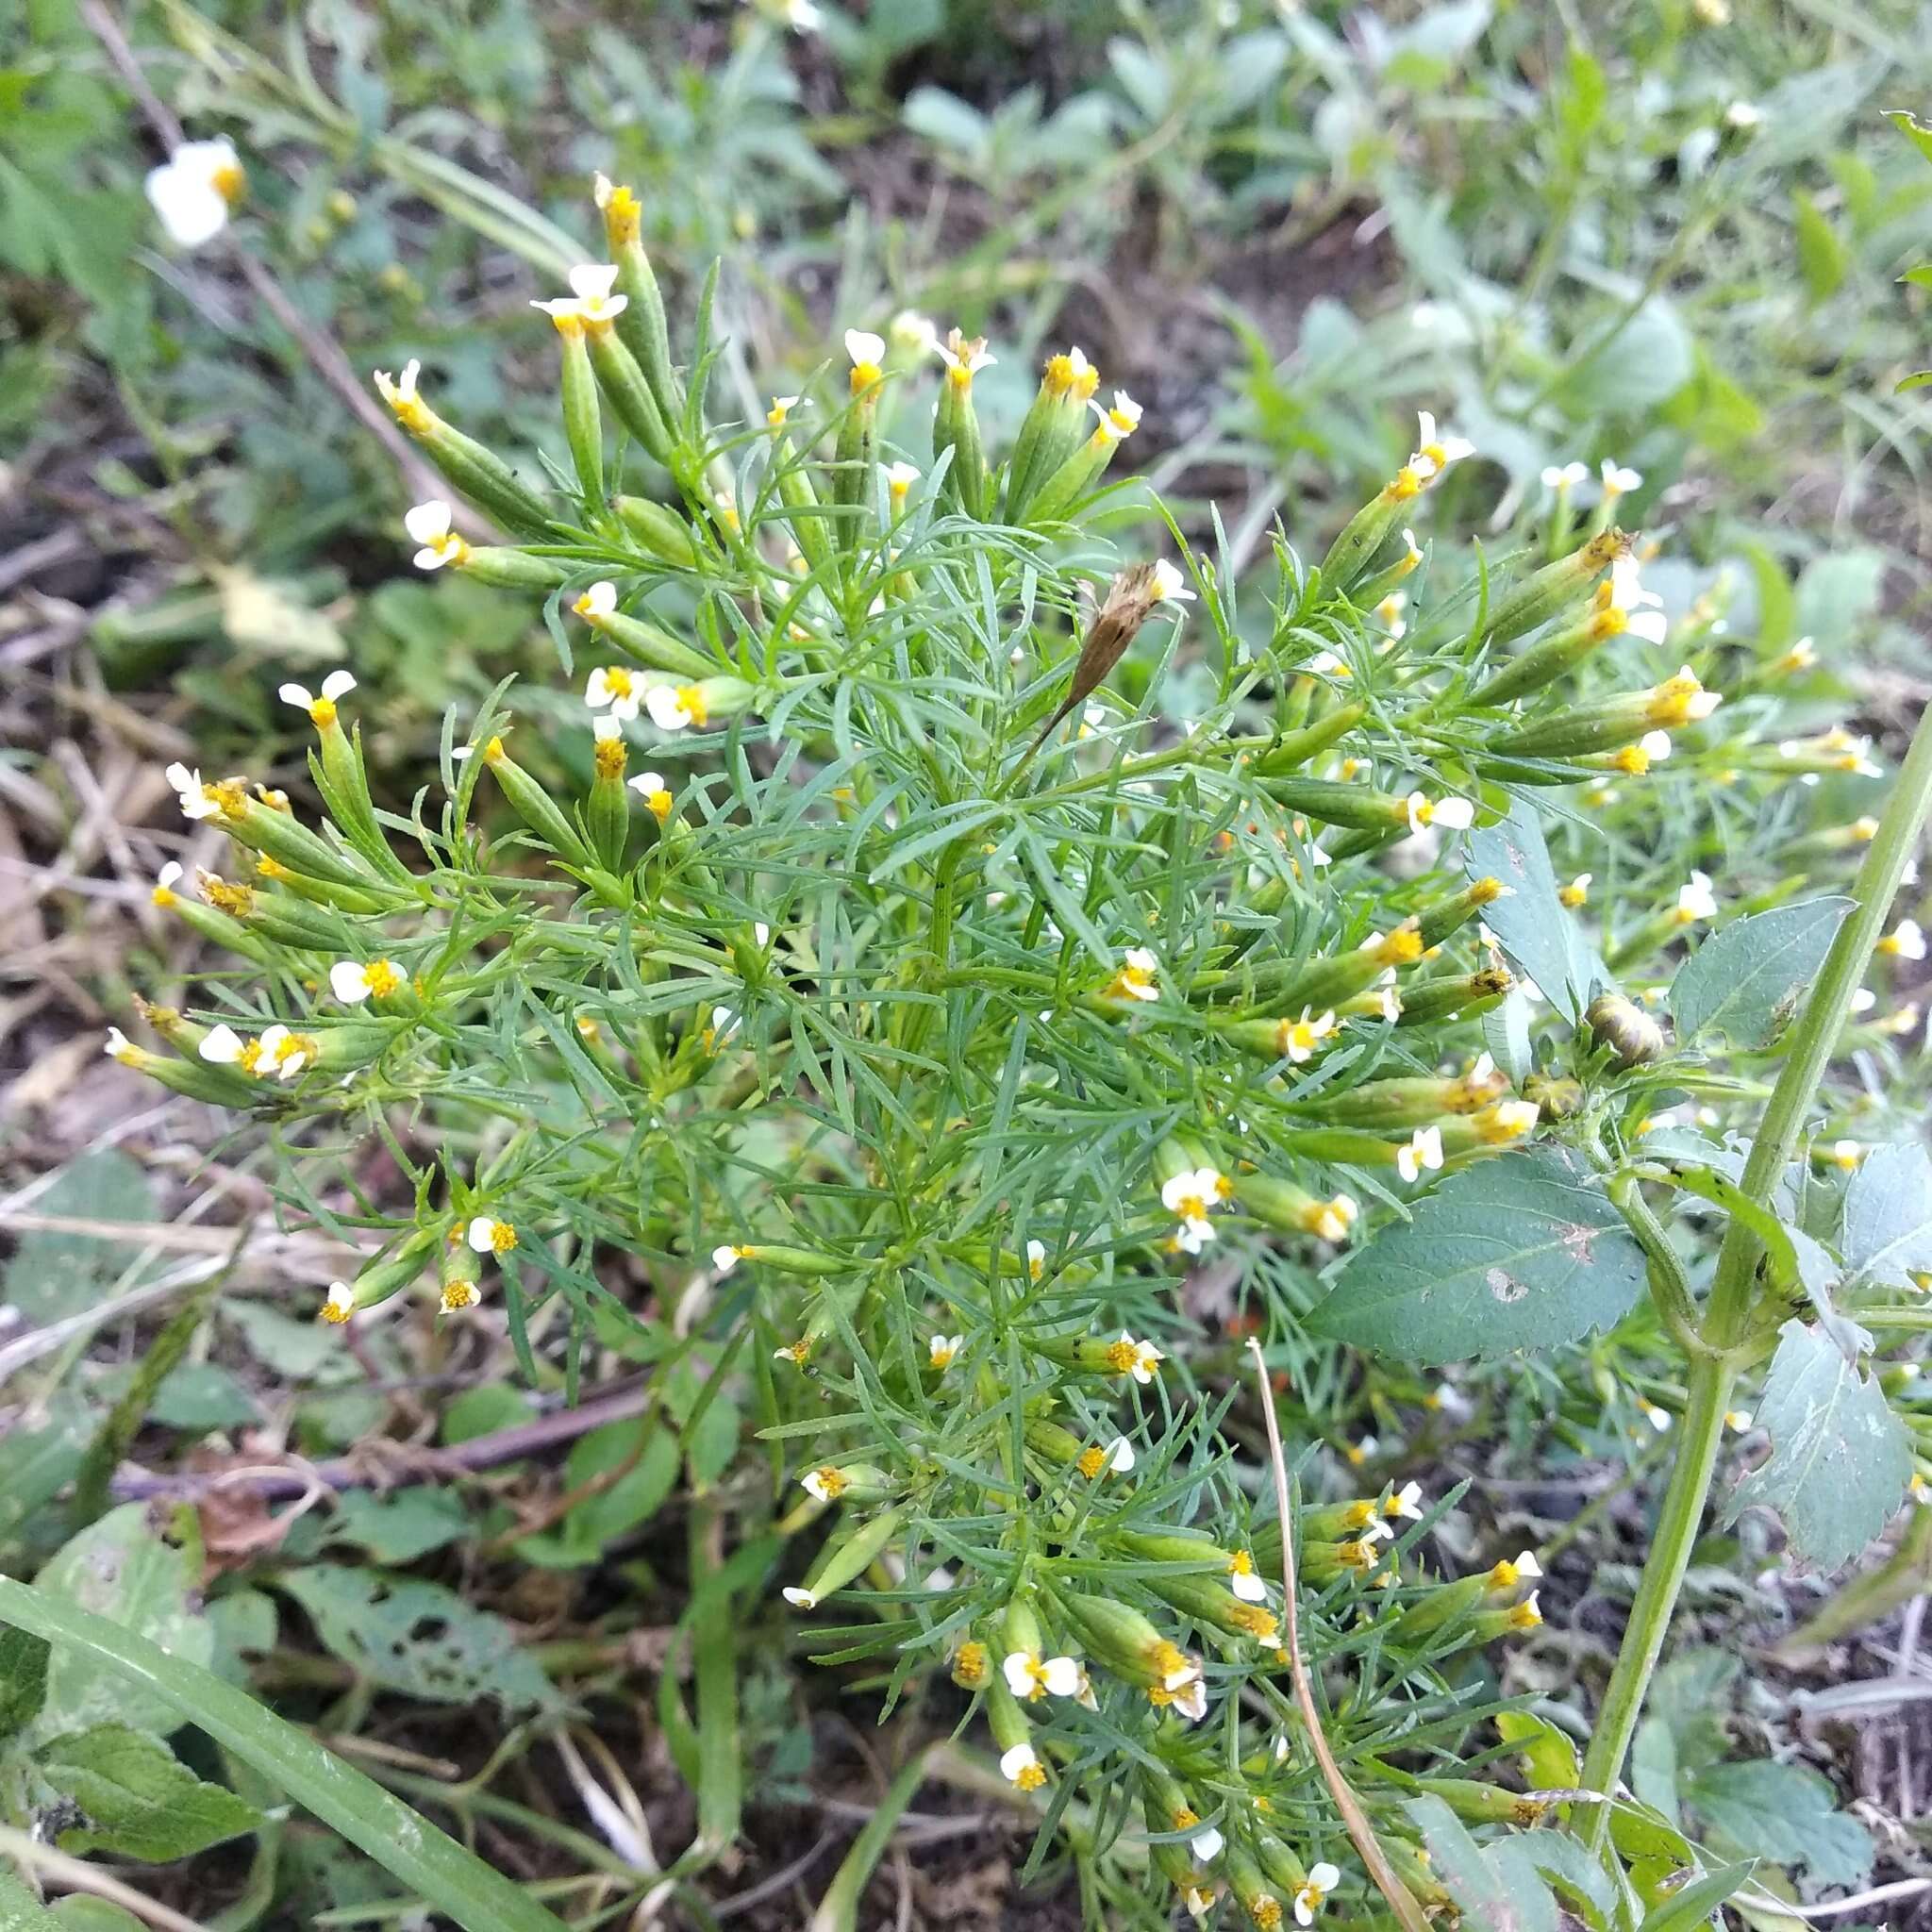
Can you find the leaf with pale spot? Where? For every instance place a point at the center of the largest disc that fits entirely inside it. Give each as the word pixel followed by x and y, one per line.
pixel 1744 982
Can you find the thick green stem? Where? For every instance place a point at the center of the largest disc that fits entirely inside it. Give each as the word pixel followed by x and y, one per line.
pixel 1728 1312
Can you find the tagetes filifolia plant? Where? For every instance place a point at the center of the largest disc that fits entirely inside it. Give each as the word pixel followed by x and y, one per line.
pixel 928 1005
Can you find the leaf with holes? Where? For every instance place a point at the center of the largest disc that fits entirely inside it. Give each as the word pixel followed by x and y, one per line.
pixel 1840 1459
pixel 1744 982
pixel 1525 1251
pixel 140 1800
pixel 420 1638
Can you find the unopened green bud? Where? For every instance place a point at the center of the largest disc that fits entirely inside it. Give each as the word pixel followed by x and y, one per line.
pixel 657 528
pixel 535 806
pixel 848 1554
pixel 1554 588
pixel 1632 1036
pixel 623 380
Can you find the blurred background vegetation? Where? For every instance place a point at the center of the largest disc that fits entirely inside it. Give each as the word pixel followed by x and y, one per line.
pixel 1663 234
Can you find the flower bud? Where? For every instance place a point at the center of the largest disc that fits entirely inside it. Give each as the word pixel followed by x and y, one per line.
pixel 623 380
pixel 657 528
pixel 847 1555
pixel 1619 1025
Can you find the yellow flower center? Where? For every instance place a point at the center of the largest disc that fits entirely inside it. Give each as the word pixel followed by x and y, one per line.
pixel 969 1665
pixel 237 901
pixel 1505 1576
pixel 610 758
pixel 1092 1463
pixel 503 1237
pixel 1403 946
pixel 457 1296
pixel 229 798
pixel 693 698
pixel 291 1044
pixel 164 895
pixel 800 1350
pixel 1633 759
pixel 659 802
pixel 1407 482
pixel 382 979
pixel 493 753
pixel 1265 1911
pixel 1254 1619
pixel 833 1483
pixel 1240 1563
pixel 621 218
pixel 229 182
pixel 1031 1778
pixel 1525 1617
pixel 337 1313
pixel 863 376
pixel 1120 1358
pixel 250 1056
pixel 272 868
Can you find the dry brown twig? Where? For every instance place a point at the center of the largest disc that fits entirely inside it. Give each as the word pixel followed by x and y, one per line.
pixel 1401 1901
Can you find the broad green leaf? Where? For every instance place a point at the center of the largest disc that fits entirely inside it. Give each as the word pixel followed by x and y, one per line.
pixel 35 1463
pixel 20 1910
pixel 1692 1905
pixel 1887 1232
pixel 1496 1890
pixel 1523 1251
pixel 23 1680
pixel 1743 983
pixel 140 1801
pixel 1823 258
pixel 419 1637
pixel 1648 359
pixel 1840 1459
pixel 1549 1758
pixel 122 1568
pixel 77 1912
pixel 203 1395
pixel 400 1529
pixel 1786 1814
pixel 1916 131
pixel 53 1276
pixel 451 1881
pixel 1838 595
pixel 632 1498
pixel 1566 1867
pixel 1541 938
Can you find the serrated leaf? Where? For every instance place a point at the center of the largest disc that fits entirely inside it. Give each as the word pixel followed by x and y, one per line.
pixel 1786 1814
pixel 140 1800
pixel 121 1567
pixel 1744 982
pixel 1840 1459
pixel 419 1638
pixel 23 1680
pixel 1540 938
pixel 1495 1890
pixel 1523 1251
pixel 1887 1232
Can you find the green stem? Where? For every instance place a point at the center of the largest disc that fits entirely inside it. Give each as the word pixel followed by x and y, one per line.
pixel 1727 1315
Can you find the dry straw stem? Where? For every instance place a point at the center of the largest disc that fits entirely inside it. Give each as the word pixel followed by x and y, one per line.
pixel 1391 1887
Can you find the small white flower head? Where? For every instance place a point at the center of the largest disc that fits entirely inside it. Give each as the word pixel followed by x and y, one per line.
pixel 1405 1503
pixel 1121 420
pixel 1327 664
pixel 1448 815
pixel 1205 1845
pixel 1117 1459
pixel 1655 746
pixel 724 1024
pixel 1169 585
pixel 780 411
pixel 1696 899
pixel 941 1350
pixel 913 333
pixel 590 301
pixel 321 707
pixel 867 351
pixel 195 190
pixel 900 477
pixel 597 602
pixel 1388 615
pixel 1243 1579
pixel 1030 1678
pixel 651 788
pixel 1138 976
pixel 283 1050
pixel 672 707
pixel 1438 447
pixel 353 981
pixel 1577 891
pixel 1905 940
pixel 725 1258
pixel 1618 481
pixel 487 1235
pixel 165 881
pixel 1744 116
pixel 222 1046
pixel 1021 1766
pixel 1322 1879
pixel 1425 1151
pixel 428 524
pixel 1139 1360
pixel 1736 1420
pixel 613 685
pixel 340 1305
pixel 117 1045
pixel 801 16
pixel 1566 477
pixel 1189 1699
pixel 1191 1196
pixel 1036 1260
pixel 970 358
pixel 826 1485
pixel 799 1599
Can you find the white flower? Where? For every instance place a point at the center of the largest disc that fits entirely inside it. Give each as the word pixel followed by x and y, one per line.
pixel 340 1303
pixel 724 1259
pixel 1028 1677
pixel 1036 1260
pixel 1021 1766
pixel 1905 940
pixel 1191 1196
pixel 814 1483
pixel 352 981
pixel 1439 449
pixel 669 706
pixel 1169 585
pixel 283 1050
pixel 1406 1502
pixel 590 300
pixel 724 1023
pixel 195 802
pixel 1205 1845
pixel 1695 899
pixel 914 333
pixel 799 1599
pixel 614 686
pixel 1190 1698
pixel 1139 1360
pixel 196 188
pixel 222 1046
pixel 597 602
pixel 322 709
pixel 1744 116
pixel 867 351
pixel 1618 481
pixel 428 524
pixel 1117 1459
pixel 1137 976
pixel 1242 1580
pixel 1424 1150
pixel 900 477
pixel 1566 477
pixel 117 1046
pixel 1322 1879
pixel 1326 664
pixel 975 360
pixel 490 1237
pixel 1655 746
pixel 1451 814
pixel 801 16
pixel 651 788
pixel 1119 422
pixel 941 1350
